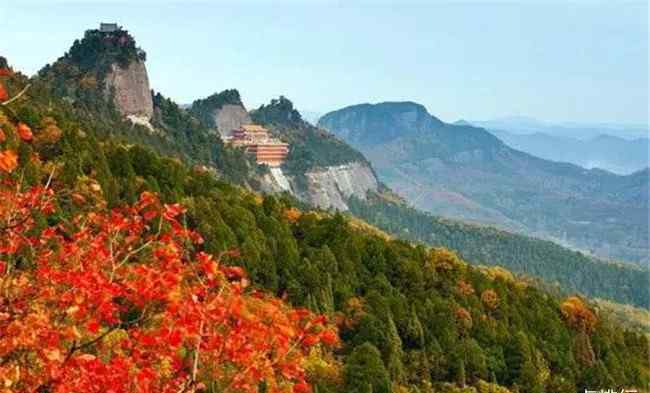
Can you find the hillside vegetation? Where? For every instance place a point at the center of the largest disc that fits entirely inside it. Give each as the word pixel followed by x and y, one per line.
pixel 570 270
pixel 410 318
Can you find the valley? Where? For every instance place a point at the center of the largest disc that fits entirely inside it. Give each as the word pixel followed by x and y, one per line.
pixel 464 172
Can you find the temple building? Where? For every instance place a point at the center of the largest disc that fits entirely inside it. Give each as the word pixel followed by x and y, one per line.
pixel 257 141
pixel 109 27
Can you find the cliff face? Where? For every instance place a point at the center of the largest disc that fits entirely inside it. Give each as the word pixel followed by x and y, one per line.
pixel 328 188
pixel 321 169
pixel 131 88
pixel 221 112
pixel 230 117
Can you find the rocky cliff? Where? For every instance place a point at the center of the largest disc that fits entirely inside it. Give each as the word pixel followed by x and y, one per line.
pixel 104 65
pixel 130 88
pixel 221 112
pixel 229 117
pixel 327 187
pixel 330 187
pixel 321 169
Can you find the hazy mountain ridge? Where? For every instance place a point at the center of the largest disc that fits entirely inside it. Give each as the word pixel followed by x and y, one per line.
pixel 609 152
pixel 430 162
pixel 583 131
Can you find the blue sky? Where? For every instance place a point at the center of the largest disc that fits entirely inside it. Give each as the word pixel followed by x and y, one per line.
pixel 556 61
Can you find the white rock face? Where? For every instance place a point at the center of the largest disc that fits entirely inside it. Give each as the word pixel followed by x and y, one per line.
pixel 229 117
pixel 141 120
pixel 132 91
pixel 330 186
pixel 280 179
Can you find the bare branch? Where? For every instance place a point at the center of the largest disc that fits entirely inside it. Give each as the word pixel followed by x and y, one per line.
pixel 17 96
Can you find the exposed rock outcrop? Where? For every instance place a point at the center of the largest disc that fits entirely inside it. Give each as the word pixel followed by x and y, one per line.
pixel 275 182
pixel 221 112
pixel 130 86
pixel 329 187
pixel 326 187
pixel 230 117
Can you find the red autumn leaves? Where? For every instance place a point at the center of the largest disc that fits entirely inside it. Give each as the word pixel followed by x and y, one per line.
pixel 9 157
pixel 123 302
pixel 4 96
pixel 24 132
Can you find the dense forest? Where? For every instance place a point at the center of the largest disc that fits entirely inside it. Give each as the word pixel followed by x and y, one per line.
pixel 411 318
pixel 570 270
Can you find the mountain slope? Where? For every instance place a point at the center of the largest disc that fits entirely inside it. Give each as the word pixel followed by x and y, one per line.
pixel 411 318
pixel 322 170
pixel 560 268
pixel 466 172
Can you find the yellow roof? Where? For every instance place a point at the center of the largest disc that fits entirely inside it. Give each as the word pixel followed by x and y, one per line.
pixel 253 128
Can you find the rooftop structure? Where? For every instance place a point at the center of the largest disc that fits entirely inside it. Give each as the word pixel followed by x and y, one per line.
pixel 109 27
pixel 256 140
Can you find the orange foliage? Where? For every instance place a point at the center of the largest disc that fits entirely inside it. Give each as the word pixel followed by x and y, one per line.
pixel 24 132
pixel 123 302
pixel 443 259
pixel 465 288
pixel 578 315
pixel 463 318
pixel 352 313
pixel 8 160
pixel 292 214
pixel 49 132
pixel 490 298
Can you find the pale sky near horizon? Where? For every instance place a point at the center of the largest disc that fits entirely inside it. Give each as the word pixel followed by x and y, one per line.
pixel 583 61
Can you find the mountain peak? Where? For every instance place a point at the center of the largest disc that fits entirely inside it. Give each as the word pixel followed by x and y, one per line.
pixel 394 107
pixel 223 111
pixel 280 111
pixel 383 121
pixel 218 99
pixel 106 64
pixel 103 47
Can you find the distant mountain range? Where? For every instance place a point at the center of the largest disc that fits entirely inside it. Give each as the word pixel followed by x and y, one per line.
pixel 528 125
pixel 462 171
pixel 621 149
pixel 612 153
